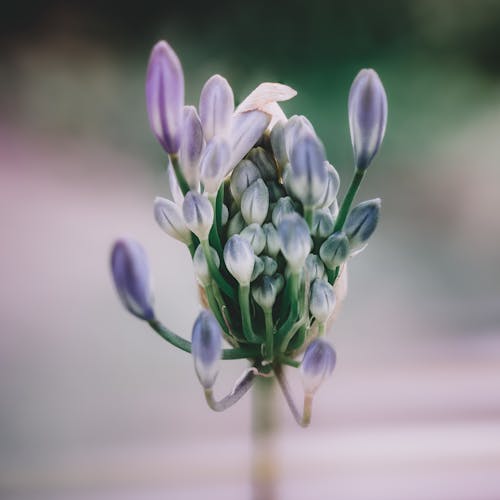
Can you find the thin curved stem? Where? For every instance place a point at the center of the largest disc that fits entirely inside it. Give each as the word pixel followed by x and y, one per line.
pixel 246 320
pixel 241 387
pixel 215 273
pixel 269 326
pixel 178 174
pixel 349 197
pixel 214 230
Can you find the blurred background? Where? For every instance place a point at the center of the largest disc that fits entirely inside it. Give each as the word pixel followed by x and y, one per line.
pixel 94 406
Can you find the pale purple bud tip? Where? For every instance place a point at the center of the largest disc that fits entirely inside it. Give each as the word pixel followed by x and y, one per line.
pixel 255 202
pixel 130 270
pixel 192 143
pixel 198 214
pixel 216 107
pixel 214 163
pixel 335 250
pixel 239 259
pixel 168 215
pixel 206 348
pixel 318 363
pixel 307 177
pixel 322 300
pixel 362 222
pixel 367 116
pixel 165 96
pixel 295 240
pixel 245 173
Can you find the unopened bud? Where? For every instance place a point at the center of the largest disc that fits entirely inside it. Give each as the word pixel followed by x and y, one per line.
pixel 266 291
pixel 198 214
pixel 270 265
pixel 332 186
pixel 200 265
pixel 318 363
pixel 236 224
pixel 315 269
pixel 169 217
pixel 295 127
pixel 361 222
pixel 264 162
pixel 284 206
pixel 213 164
pixel 254 234
pixel 335 250
pixel 273 243
pixel 322 224
pixel 239 259
pixel 322 300
pixel 243 175
pixel 278 144
pixel 258 268
pixel 295 241
pixel 255 202
pixel 192 143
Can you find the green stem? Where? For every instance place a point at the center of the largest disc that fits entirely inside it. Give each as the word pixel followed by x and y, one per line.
pixel 293 297
pixel 308 216
pixel 268 319
pixel 214 232
pixel 214 306
pixel 178 174
pixel 349 197
pixel 215 273
pixel 246 320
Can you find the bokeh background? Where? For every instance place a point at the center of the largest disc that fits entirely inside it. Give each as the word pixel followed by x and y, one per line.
pixel 94 406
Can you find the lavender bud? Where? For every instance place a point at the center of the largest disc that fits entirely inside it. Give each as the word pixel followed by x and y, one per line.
pixel 315 269
pixel 206 348
pixel 322 224
pixel 198 214
pixel 165 96
pixel 273 242
pixel 295 241
pixel 318 363
pixel 216 107
pixel 278 144
pixel 239 259
pixel 361 222
pixel 284 207
pixel 168 215
pixel 295 127
pixel 254 234
pixel 264 162
pixel 236 225
pixel 243 175
pixel 332 186
pixel 367 116
pixel 307 176
pixel 322 300
pixel 130 270
pixel 270 265
pixel 192 143
pixel 258 268
pixel 266 291
pixel 335 250
pixel 255 202
pixel 200 265
pixel 214 163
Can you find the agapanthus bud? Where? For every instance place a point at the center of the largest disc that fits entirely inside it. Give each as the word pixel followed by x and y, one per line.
pixel 322 224
pixel 236 224
pixel 239 259
pixel 258 268
pixel 246 129
pixel 322 300
pixel 295 241
pixel 335 250
pixel 307 176
pixel 198 214
pixel 168 215
pixel 295 127
pixel 216 107
pixel 318 363
pixel 200 265
pixel 267 289
pixel 130 270
pixel 315 269
pixel 332 186
pixel 334 208
pixel 213 164
pixel 255 202
pixel 270 265
pixel 264 162
pixel 254 234
pixel 284 206
pixel 278 144
pixel 224 216
pixel 192 143
pixel 276 191
pixel 206 348
pixel 367 116
pixel 361 222
pixel 273 243
pixel 165 96
pixel 243 175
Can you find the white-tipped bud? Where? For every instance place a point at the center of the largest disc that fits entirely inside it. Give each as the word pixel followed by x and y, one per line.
pixel 239 259
pixel 273 243
pixel 243 175
pixel 367 116
pixel 206 348
pixel 322 224
pixel 216 107
pixel 307 176
pixel 213 164
pixel 169 217
pixel 335 250
pixel 236 225
pixel 332 186
pixel 322 300
pixel 255 202
pixel 284 206
pixel 254 234
pixel 315 269
pixel 192 143
pixel 270 265
pixel 361 222
pixel 318 363
pixel 266 291
pixel 264 162
pixel 198 214
pixel 200 265
pixel 258 268
pixel 295 241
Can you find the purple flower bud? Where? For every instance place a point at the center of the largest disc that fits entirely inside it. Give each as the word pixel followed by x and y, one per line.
pixel 335 250
pixel 165 96
pixel 255 235
pixel 273 242
pixel 130 270
pixel 239 259
pixel 318 363
pixel 198 214
pixel 216 107
pixel 284 206
pixel 295 240
pixel 361 222
pixel 243 175
pixel 308 174
pixel 255 202
pixel 168 215
pixel 214 163
pixel 206 348
pixel 367 116
pixel 332 186
pixel 322 300
pixel 192 143
pixel 322 224
pixel 295 127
